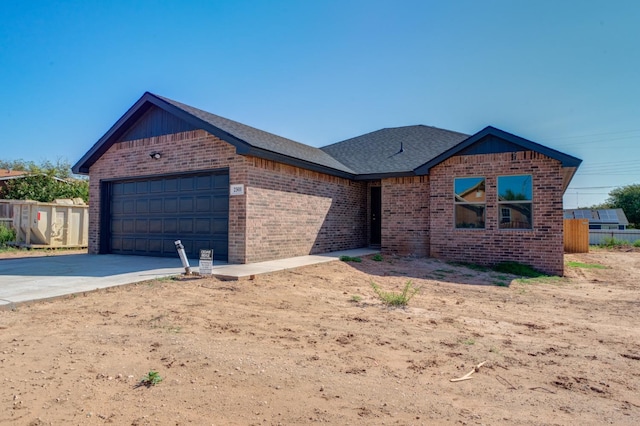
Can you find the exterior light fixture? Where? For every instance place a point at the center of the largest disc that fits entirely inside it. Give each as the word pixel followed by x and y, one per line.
pixel 155 155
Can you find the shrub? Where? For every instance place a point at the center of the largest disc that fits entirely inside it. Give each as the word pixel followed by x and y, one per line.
pixel 613 242
pixel 396 299
pixel 378 257
pixel 6 235
pixel 636 243
pixel 350 259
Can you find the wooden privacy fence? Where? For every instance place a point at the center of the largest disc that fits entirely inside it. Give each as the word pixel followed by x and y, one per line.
pixel 576 236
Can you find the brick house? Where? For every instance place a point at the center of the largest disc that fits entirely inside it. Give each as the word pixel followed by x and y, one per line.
pixel 168 171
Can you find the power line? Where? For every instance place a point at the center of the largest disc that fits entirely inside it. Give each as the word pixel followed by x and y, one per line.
pixel 592 134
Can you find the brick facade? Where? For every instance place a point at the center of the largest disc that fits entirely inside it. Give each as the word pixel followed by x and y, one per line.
pixel 286 211
pixel 405 216
pixel 181 152
pixel 541 247
pixel 293 212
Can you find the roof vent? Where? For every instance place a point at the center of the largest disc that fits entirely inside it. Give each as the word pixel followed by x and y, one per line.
pixel 401 147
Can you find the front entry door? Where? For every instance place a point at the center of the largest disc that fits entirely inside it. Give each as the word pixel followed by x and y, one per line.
pixel 375 223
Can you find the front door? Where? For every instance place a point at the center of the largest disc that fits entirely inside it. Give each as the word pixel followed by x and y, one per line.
pixel 375 223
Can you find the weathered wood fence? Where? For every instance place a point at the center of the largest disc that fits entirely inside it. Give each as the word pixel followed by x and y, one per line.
pixel 6 213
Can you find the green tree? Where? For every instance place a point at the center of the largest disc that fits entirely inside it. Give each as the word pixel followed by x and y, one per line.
pixel 627 198
pixel 45 182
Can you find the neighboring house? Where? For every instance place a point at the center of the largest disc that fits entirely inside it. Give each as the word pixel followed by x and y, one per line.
pixel 600 218
pixel 8 175
pixel 167 171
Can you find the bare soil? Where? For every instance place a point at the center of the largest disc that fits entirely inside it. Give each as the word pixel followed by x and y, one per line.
pixel 315 345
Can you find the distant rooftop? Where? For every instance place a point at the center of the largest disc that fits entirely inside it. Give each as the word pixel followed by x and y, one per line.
pixel 613 216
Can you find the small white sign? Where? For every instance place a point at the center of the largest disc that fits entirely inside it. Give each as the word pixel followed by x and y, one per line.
pixel 237 189
pixel 206 262
pixel 205 267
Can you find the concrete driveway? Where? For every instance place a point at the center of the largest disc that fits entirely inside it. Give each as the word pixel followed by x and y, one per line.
pixel 32 278
pixel 35 278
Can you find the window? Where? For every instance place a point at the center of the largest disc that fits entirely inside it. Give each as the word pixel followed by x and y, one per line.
pixel 515 202
pixel 470 202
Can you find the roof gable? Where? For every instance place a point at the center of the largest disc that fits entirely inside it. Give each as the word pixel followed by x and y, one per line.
pixel 389 152
pixel 491 140
pixel 155 122
pixel 153 115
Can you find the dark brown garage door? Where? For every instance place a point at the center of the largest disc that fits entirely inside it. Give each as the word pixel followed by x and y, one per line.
pixel 148 215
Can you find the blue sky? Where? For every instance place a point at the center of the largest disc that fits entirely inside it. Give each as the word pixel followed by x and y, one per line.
pixel 565 74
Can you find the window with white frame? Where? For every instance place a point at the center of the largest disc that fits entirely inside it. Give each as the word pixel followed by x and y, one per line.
pixel 515 202
pixel 470 202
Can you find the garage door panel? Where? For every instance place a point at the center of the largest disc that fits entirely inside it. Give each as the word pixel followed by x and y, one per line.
pixel 203 226
pixel 142 187
pixel 155 226
pixel 128 226
pixel 116 207
pixel 155 205
pixel 170 226
pixel 116 226
pixel 142 226
pixel 156 186
pixel 128 244
pixel 169 246
pixel 186 204
pixel 128 206
pixel 142 245
pixel 220 204
pixel 155 246
pixel 187 184
pixel 220 226
pixel 142 206
pixel 129 188
pixel 171 205
pixel 117 188
pixel 203 204
pixel 171 185
pixel 203 183
pixel 148 216
pixel 221 182
pixel 185 226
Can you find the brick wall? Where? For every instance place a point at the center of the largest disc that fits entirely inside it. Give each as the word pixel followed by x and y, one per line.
pixel 295 212
pixel 405 216
pixel 540 247
pixel 181 152
pixel 286 211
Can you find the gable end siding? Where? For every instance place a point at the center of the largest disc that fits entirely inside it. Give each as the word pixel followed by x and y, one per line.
pixel 491 145
pixel 156 122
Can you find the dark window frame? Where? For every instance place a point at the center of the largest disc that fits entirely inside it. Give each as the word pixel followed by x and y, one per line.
pixel 525 204
pixel 460 202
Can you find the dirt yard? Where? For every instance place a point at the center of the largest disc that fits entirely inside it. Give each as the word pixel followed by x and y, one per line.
pixel 315 345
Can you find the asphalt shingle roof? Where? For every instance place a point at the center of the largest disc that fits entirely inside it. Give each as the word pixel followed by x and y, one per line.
pixel 394 150
pixel 399 151
pixel 264 140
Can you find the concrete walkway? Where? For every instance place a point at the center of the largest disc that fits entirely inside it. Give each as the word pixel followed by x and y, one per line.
pixel 36 278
